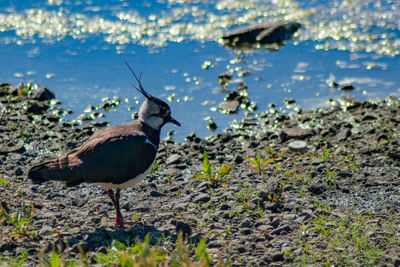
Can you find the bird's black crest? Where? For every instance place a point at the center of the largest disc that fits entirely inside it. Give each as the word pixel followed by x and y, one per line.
pixel 144 92
pixel 140 88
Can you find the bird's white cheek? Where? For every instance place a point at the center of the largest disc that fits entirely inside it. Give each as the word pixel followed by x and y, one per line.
pixel 154 122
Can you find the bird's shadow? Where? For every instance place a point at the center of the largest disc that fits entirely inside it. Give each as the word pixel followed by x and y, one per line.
pixel 102 238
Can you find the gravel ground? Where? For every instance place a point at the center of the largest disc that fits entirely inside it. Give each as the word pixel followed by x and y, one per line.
pixel 332 198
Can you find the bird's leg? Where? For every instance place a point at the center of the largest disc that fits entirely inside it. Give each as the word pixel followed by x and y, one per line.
pixel 119 221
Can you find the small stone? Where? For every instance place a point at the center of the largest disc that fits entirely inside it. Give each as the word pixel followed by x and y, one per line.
pixel 317 189
pixel 277 257
pixel 298 146
pixel 238 159
pixel 156 194
pixel 369 117
pixel 246 224
pixel 10 148
pixel 19 172
pixel 45 230
pixel 173 159
pixel 246 231
pixel 202 198
pixel 283 230
pixel 225 206
pixel 343 174
pixel 184 228
pixel 295 133
pixel 394 153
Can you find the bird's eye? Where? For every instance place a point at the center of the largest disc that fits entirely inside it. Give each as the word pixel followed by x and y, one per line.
pixel 163 111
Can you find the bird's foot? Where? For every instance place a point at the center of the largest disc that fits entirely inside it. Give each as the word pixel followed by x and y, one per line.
pixel 120 222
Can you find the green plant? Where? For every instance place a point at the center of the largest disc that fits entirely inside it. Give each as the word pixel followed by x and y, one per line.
pixel 21 221
pixel 208 172
pixel 259 163
pixel 137 217
pixel 144 254
pixel 277 192
pixel 330 176
pixel 3 181
pixel 156 166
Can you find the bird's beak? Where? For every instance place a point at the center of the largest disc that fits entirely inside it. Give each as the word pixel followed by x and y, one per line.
pixel 170 119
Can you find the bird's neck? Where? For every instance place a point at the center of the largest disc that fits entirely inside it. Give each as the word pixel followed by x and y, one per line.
pixel 152 133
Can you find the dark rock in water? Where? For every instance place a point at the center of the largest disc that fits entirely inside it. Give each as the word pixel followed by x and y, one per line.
pixel 237 98
pixel 212 126
pixel 43 94
pixel 347 88
pixel 37 108
pixel 229 106
pixel 267 33
pixel 224 79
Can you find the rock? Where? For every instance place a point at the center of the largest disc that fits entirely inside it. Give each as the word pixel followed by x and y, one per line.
pixel 37 108
pixel 246 231
pixel 156 194
pixel 225 137
pixel 173 159
pixel 229 106
pixel 184 228
pixel 295 133
pixel 267 33
pixel 343 135
pixel 283 230
pixel 298 146
pixel 11 148
pixel 246 224
pixel 317 189
pixel 347 88
pixel 238 159
pixel 224 79
pixel 19 171
pixel 212 126
pixel 43 94
pixel 368 117
pixel 4 89
pixel 202 198
pixel 225 206
pixel 393 153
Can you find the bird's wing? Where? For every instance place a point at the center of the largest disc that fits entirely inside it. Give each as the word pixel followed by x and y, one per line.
pixel 111 158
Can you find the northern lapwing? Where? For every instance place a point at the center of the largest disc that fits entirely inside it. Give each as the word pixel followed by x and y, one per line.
pixel 116 157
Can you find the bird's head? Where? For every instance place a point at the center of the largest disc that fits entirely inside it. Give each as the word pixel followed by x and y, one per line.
pixel 153 112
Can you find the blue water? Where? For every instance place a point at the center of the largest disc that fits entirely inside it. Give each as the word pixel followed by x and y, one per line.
pixel 83 62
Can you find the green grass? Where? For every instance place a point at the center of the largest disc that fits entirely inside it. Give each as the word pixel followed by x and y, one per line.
pixel 349 240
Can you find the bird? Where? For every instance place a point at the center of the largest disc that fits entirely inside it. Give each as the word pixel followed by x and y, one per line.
pixel 116 157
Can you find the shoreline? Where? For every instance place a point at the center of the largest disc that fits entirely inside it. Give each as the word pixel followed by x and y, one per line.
pixel 286 212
